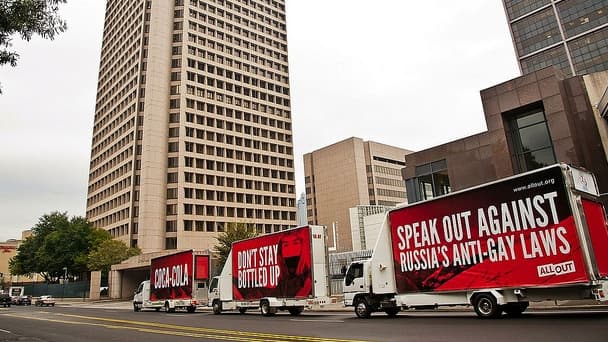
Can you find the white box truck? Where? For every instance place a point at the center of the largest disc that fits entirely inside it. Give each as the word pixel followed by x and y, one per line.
pixel 177 281
pixel 287 270
pixel 540 235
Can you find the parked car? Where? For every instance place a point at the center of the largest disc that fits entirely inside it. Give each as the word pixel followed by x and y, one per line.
pixel 5 300
pixel 24 300
pixel 46 300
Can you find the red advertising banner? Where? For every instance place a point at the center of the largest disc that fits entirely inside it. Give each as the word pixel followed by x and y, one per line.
pixel 515 233
pixel 598 232
pixel 201 263
pixel 277 265
pixel 171 276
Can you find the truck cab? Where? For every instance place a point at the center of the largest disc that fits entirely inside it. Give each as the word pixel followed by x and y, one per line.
pixel 141 298
pixel 354 281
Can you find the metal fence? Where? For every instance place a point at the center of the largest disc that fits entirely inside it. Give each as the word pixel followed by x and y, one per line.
pixel 338 263
pixel 78 289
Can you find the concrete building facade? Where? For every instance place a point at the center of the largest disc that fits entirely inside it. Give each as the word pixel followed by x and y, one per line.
pixel 192 128
pixel 346 174
pixel 533 120
pixel 572 35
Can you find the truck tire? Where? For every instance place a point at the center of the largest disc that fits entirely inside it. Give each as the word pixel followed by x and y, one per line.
pixel 191 309
pixel 486 306
pixel 266 309
pixel 515 309
pixel 392 312
pixel 242 310
pixel 362 309
pixel 217 307
pixel 296 311
pixel 168 309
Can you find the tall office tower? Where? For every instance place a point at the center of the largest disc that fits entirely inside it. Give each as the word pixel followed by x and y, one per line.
pixel 572 35
pixel 349 173
pixel 301 210
pixel 192 126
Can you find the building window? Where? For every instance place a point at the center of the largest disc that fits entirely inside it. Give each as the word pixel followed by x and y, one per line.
pixel 431 181
pixel 171 226
pixel 171 243
pixel 531 145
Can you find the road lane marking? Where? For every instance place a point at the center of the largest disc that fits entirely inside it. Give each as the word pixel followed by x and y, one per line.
pixel 5 331
pixel 316 320
pixel 151 327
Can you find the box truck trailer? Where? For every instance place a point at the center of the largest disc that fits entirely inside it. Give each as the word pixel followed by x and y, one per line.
pixel 177 281
pixel 287 270
pixel 540 235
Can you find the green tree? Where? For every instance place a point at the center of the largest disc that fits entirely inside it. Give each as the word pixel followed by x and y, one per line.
pixel 235 231
pixel 57 242
pixel 27 18
pixel 108 253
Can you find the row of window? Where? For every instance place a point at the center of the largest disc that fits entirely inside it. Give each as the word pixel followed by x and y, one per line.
pixel 122 30
pixel 589 54
pixel 389 181
pixel 391 193
pixel 227 111
pixel 234 140
pixel 113 203
pixel 105 138
pixel 109 191
pixel 387 170
pixel 517 8
pixel 232 13
pixel 237 197
pixel 119 145
pixel 223 211
pixel 118 86
pixel 121 230
pixel 98 183
pixel 109 220
pixel 280 75
pixel 272 43
pixel 238 115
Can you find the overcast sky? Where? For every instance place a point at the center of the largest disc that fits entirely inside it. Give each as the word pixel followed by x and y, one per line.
pixel 403 73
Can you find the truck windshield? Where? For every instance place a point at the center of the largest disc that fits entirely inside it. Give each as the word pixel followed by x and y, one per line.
pixel 354 271
pixel 213 284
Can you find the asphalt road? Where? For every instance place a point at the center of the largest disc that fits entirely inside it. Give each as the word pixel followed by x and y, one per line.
pixel 94 323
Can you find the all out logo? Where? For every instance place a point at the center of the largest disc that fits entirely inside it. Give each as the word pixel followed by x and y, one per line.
pixel 556 269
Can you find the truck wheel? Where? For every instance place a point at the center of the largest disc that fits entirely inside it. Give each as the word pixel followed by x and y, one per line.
pixel 191 309
pixel 168 309
pixel 136 308
pixel 266 310
pixel 392 312
pixel 296 311
pixel 362 309
pixel 217 307
pixel 515 309
pixel 242 310
pixel 486 306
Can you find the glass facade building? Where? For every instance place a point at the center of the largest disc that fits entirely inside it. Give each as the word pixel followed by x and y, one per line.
pixel 572 35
